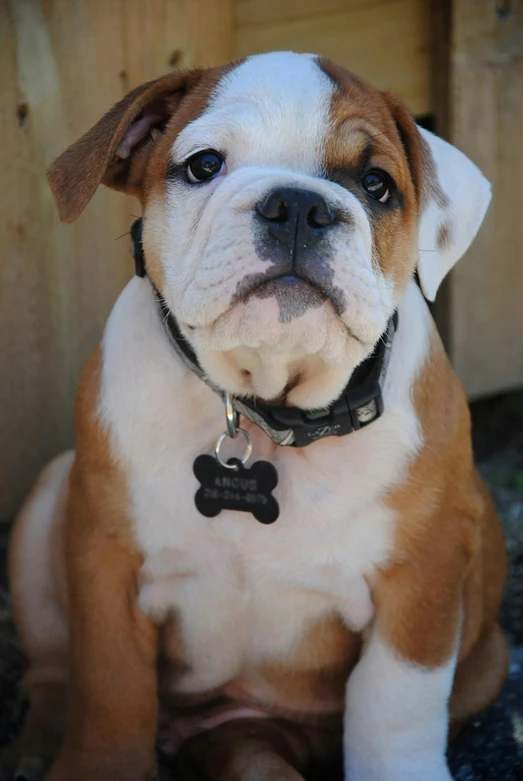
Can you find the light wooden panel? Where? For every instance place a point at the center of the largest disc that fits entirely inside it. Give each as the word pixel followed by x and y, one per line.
pixel 62 64
pixel 486 291
pixel 386 41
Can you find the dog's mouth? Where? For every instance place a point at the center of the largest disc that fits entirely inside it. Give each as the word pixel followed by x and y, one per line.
pixel 289 285
pixel 295 294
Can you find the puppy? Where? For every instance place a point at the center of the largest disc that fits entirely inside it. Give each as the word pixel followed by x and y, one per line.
pixel 287 206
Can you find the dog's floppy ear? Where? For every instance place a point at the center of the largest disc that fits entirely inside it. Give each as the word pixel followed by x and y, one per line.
pixel 456 198
pixel 115 151
pixel 453 197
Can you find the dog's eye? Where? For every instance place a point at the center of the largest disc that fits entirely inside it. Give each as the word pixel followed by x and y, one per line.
pixel 377 184
pixel 204 166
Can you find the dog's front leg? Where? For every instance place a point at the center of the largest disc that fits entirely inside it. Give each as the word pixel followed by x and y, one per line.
pixel 112 710
pixel 396 717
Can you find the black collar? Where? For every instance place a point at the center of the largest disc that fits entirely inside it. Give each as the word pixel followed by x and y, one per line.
pixel 360 403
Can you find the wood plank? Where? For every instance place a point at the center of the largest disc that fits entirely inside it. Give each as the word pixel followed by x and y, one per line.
pixel 486 122
pixel 385 41
pixel 263 11
pixel 63 64
pixel 440 39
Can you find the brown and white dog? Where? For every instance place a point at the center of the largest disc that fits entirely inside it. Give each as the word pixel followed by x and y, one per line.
pixel 365 618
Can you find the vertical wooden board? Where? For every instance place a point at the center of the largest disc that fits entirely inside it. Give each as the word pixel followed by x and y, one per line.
pixel 249 12
pixel 440 44
pixel 385 41
pixel 63 64
pixel 32 346
pixel 209 31
pixel 486 293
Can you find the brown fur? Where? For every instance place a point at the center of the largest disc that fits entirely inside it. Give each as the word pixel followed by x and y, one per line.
pixel 112 713
pixel 450 564
pixel 153 182
pixel 317 671
pixel 247 750
pixel 369 126
pixel 444 236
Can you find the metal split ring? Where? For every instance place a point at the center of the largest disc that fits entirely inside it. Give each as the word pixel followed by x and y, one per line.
pixel 232 417
pixel 248 448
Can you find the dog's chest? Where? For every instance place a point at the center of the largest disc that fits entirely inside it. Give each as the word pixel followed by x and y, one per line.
pixel 242 593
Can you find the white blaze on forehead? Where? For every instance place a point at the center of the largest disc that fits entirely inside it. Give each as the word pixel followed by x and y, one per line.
pixel 272 110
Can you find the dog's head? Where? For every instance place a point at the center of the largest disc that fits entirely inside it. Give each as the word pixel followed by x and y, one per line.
pixel 286 206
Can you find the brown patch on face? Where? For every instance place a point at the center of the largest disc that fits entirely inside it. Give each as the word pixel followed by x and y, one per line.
pixel 117 150
pixel 444 236
pixel 128 149
pixel 367 132
pixel 448 566
pixel 313 678
pixel 191 106
pixel 103 154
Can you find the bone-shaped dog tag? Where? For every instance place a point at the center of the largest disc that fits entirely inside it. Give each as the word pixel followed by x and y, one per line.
pixel 236 487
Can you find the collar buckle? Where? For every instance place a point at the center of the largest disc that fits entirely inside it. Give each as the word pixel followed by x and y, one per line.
pixel 354 410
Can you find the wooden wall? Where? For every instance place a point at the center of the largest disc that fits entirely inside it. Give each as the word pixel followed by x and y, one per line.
pixel 386 41
pixel 485 311
pixel 64 62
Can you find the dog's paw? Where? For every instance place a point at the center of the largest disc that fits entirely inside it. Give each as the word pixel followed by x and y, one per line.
pixel 17 766
pixel 411 769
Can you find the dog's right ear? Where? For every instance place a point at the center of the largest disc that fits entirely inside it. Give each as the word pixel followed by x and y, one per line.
pixel 116 150
pixel 453 196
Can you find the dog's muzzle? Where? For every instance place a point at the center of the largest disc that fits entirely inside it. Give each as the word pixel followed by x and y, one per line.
pixel 292 231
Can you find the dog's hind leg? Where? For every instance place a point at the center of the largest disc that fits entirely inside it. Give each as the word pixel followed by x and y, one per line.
pixel 245 750
pixel 479 678
pixel 37 580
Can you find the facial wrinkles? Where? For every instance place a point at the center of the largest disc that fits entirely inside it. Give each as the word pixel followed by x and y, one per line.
pixel 223 234
pixel 256 118
pixel 197 260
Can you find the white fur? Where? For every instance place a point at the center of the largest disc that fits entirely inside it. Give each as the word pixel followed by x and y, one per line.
pixel 467 193
pixel 269 117
pixel 38 554
pixel 245 590
pixel 396 718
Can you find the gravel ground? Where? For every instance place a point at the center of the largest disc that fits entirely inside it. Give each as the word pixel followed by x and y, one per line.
pixel 489 749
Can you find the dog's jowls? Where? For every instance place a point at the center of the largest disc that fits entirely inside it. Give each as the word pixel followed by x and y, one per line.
pixel 286 206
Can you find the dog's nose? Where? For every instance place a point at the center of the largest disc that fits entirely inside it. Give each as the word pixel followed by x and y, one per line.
pixel 294 213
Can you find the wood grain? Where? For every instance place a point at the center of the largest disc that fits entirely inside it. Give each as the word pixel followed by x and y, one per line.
pixel 386 41
pixel 63 63
pixel 440 40
pixel 486 295
pixel 250 12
